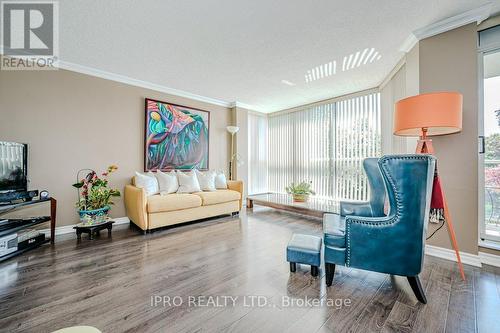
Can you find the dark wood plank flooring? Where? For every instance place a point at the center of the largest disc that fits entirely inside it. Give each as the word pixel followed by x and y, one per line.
pixel 109 284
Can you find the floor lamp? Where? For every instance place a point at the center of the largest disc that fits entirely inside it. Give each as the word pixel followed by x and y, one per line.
pixel 428 115
pixel 232 130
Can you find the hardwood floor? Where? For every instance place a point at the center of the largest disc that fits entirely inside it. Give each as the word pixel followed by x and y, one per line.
pixel 112 284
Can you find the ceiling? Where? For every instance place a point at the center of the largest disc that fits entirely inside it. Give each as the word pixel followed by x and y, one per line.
pixel 234 50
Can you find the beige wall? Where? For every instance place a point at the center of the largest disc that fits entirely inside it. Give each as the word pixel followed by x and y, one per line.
pixel 240 119
pixel 448 62
pixel 73 121
pixel 390 93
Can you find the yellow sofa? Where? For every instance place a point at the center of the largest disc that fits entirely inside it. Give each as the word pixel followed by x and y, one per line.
pixel 155 211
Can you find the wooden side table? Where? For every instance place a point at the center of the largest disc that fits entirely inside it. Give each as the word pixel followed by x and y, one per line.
pixel 93 229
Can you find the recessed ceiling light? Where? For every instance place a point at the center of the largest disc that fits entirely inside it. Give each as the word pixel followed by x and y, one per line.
pixel 288 83
pixel 351 61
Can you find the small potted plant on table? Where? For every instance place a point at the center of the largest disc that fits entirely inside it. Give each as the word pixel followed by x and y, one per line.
pixel 300 192
pixel 95 196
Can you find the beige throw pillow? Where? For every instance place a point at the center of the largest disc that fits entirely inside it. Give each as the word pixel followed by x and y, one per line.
pixel 148 182
pixel 188 182
pixel 206 180
pixel 167 182
pixel 220 180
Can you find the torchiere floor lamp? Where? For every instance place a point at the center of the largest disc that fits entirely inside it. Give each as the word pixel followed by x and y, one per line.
pixel 428 115
pixel 232 130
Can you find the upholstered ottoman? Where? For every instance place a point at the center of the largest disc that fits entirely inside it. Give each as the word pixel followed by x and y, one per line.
pixel 304 249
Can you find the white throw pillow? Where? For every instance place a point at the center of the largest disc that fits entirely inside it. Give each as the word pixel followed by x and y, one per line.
pixel 206 180
pixel 148 182
pixel 220 180
pixel 188 182
pixel 167 182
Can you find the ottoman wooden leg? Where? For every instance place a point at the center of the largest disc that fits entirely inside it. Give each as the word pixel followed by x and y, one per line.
pixel 293 267
pixel 314 270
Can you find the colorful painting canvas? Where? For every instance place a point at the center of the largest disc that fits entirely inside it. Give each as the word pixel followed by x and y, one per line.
pixel 176 137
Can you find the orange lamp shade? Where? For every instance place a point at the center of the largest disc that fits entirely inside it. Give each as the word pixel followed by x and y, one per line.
pixel 439 113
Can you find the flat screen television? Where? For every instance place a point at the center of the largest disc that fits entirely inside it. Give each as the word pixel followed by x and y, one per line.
pixel 13 166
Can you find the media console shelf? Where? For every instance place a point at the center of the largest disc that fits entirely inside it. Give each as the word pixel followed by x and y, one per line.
pixel 14 226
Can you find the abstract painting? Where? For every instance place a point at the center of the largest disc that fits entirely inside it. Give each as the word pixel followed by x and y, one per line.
pixel 176 137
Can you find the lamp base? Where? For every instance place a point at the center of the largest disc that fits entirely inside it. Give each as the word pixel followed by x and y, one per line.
pixel 424 146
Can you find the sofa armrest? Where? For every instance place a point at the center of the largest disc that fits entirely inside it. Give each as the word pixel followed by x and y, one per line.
pixel 135 205
pixel 236 185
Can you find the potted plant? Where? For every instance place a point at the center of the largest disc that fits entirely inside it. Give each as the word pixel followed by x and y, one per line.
pixel 95 196
pixel 301 191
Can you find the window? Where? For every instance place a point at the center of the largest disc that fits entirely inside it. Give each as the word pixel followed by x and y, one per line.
pixel 324 144
pixel 489 131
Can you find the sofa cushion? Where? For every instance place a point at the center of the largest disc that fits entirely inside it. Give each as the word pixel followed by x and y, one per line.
pixel 170 202
pixel 219 196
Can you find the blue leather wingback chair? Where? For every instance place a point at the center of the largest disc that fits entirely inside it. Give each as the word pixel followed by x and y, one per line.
pixel 363 237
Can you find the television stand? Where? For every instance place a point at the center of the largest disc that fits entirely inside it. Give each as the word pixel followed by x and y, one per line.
pixel 15 225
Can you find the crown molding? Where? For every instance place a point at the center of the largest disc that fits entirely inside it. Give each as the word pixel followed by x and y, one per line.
pixel 237 104
pixel 72 67
pixel 409 43
pixel 138 83
pixel 393 72
pixel 477 15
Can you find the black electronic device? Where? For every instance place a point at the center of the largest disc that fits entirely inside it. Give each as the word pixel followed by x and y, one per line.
pixel 30 240
pixel 14 172
pixel 11 196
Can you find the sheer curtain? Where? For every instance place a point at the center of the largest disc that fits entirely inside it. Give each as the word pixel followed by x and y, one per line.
pixel 324 144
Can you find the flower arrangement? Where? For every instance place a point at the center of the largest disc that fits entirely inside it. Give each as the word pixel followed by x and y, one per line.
pixel 301 191
pixel 94 193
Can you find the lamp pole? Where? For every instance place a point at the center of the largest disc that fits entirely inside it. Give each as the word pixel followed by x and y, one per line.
pixel 232 130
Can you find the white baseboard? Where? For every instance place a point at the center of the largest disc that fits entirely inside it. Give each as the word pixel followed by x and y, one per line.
pixel 443 253
pixel 489 259
pixel 67 229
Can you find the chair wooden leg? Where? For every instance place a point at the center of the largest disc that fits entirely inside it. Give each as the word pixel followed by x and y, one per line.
pixel 293 267
pixel 416 286
pixel 330 272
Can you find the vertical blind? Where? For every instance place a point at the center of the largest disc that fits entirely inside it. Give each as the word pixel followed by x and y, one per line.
pixel 325 145
pixel 257 153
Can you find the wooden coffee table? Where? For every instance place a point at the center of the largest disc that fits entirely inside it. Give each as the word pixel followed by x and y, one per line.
pixel 93 229
pixel 313 207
